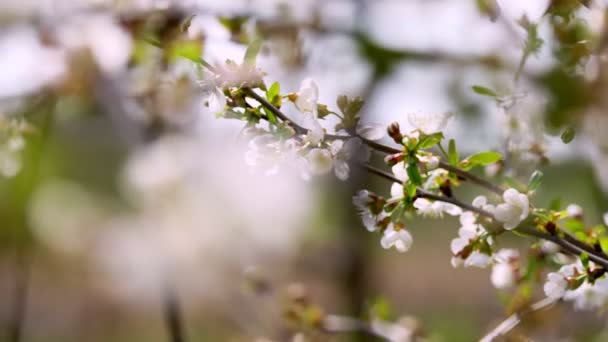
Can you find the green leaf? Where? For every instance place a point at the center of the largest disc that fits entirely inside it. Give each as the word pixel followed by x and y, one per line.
pixel 414 174
pixel 535 180
pixel 604 243
pixel 411 190
pixel 190 49
pixel 453 156
pixel 513 183
pixel 382 309
pixel 252 52
pixel 555 204
pixel 481 158
pixel 568 135
pixel 573 225
pixel 397 213
pixel 585 260
pixel 481 90
pixel 489 8
pixel 342 103
pixel 428 141
pixel 273 93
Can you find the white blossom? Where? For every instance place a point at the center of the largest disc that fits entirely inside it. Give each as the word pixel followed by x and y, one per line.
pixel 556 285
pixel 605 219
pixel 401 239
pixel 589 296
pixel 396 191
pixel 342 152
pixel 108 42
pixel 400 172
pixel 320 161
pixel 316 133
pixel 477 259
pixel 372 131
pixel 429 123
pixel 468 232
pixel 574 210
pixel 504 272
pixel 549 247
pixel 430 161
pixel 307 97
pixel 557 282
pixel 362 202
pixel 514 210
pixel 435 209
pixel 481 202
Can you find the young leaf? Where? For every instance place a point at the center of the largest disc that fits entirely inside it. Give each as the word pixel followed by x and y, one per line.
pixel 453 156
pixel 273 94
pixel 481 90
pixel 429 141
pixel 585 260
pixel 481 158
pixel 414 173
pixel 568 135
pixel 252 52
pixel 535 180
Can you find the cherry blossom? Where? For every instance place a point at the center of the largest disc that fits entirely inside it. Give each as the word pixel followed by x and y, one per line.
pixel 399 238
pixel 435 209
pixel 429 123
pixel 514 210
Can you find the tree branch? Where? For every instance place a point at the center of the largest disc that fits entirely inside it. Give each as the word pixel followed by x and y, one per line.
pixel 513 320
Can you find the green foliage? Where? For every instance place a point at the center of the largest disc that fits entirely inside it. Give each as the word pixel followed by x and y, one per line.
pixel 189 49
pixel 535 180
pixel 252 52
pixel 480 159
pixel 414 174
pixel 350 108
pixel 568 135
pixel 273 95
pixel 481 90
pixel 489 8
pixel 428 141
pixel 453 155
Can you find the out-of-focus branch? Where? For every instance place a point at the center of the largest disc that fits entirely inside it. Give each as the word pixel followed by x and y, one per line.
pixel 513 320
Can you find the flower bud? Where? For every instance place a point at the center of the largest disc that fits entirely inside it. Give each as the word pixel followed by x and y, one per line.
pixel 394 132
pixel 393 159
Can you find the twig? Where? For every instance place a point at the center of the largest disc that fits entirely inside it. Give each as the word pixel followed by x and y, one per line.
pixel 513 320
pixel 471 177
pixel 19 302
pixel 172 313
pixel 421 193
pixel 573 246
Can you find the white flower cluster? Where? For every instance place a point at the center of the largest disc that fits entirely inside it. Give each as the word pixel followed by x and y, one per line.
pixel 587 296
pixel 572 281
pixel 310 153
pixel 516 208
pixel 374 218
pixel 469 234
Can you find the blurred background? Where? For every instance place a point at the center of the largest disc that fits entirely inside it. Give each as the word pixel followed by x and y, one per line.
pixel 117 186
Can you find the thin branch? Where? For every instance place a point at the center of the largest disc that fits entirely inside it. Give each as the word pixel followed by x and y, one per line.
pixel 513 320
pixel 172 313
pixel 420 193
pixel 377 328
pixel 19 300
pixel 424 194
pixel 471 177
pixel 566 245
pixel 569 244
